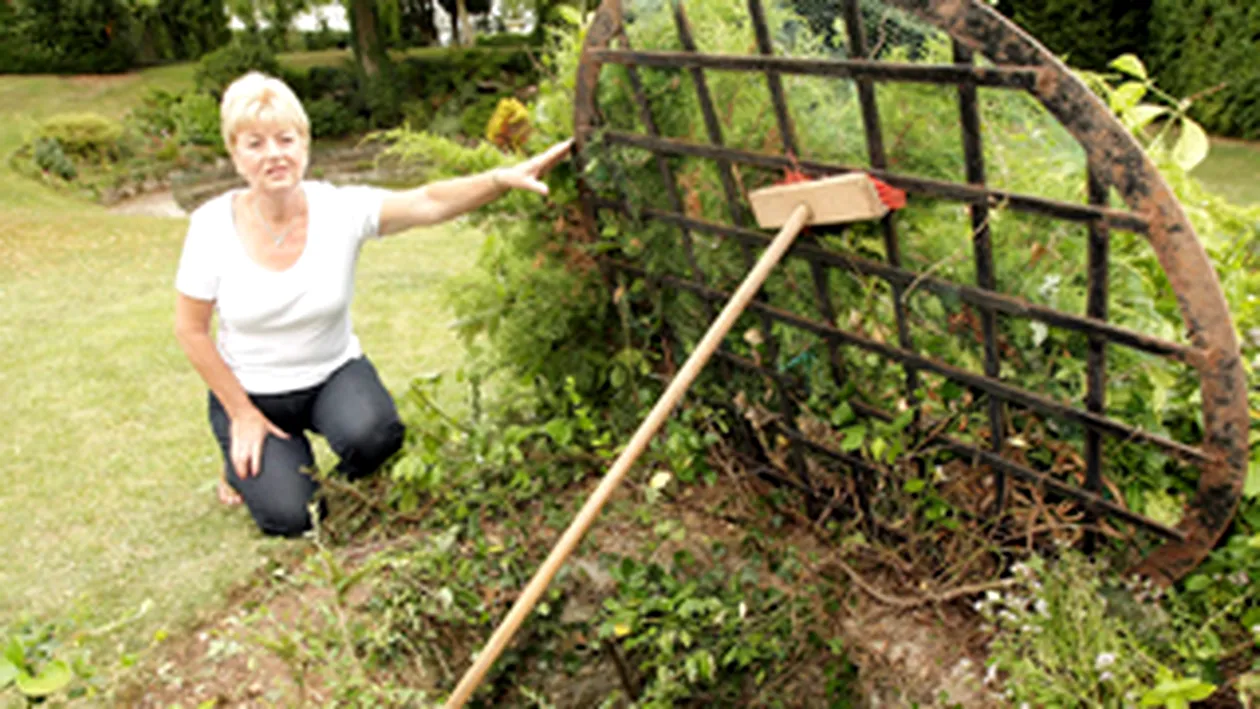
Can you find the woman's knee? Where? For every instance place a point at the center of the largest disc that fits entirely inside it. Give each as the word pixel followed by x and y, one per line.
pixel 368 445
pixel 283 518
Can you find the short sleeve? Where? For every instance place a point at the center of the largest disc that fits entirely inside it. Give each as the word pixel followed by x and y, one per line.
pixel 198 274
pixel 362 205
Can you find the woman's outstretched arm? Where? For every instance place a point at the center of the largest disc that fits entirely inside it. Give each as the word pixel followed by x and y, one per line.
pixel 437 202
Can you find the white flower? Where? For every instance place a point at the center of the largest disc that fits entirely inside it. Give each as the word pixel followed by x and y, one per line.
pixel 990 675
pixel 1042 607
pixel 1105 677
pixel 1104 660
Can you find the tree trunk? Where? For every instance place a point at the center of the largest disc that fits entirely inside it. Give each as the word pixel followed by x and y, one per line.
pixel 369 45
pixel 463 27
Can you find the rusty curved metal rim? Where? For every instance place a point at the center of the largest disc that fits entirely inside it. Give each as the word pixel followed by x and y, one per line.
pixel 1119 162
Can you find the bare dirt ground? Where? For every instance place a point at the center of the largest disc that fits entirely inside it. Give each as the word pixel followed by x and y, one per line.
pixel 928 657
pixel 154 204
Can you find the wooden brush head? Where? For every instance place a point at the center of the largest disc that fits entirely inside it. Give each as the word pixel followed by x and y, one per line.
pixel 832 200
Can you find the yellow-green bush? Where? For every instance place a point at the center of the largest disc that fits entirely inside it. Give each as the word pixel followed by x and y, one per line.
pixel 84 134
pixel 508 126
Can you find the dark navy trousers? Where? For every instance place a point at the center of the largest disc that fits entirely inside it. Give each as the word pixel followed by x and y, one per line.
pixel 352 409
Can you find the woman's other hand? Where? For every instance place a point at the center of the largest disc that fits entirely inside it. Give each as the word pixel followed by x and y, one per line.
pixel 249 432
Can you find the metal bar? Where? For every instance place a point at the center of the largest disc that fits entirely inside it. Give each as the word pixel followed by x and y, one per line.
pixel 714 128
pixel 986 385
pixel 978 297
pixel 1113 218
pixel 822 292
pixel 667 175
pixel 772 78
pixel 865 470
pixel 1020 78
pixel 1096 362
pixel 1089 500
pixel 879 161
pixel 734 204
pixel 982 247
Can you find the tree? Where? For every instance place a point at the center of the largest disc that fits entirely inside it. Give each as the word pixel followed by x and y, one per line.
pixel 367 37
pixel 1208 49
pixel 1088 34
pixel 277 14
pixel 461 11
pixel 417 26
pixel 79 35
pixel 179 29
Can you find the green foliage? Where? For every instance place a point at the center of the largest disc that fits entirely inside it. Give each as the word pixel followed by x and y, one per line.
pixel 1208 48
pixel 224 65
pixel 1152 114
pixel 1085 34
pixel 84 135
pixel 50 158
pixel 708 634
pixel 39 662
pixel 67 36
pixel 187 119
pixel 196 121
pixel 1058 641
pixel 178 30
pixel 331 118
pixel 489 485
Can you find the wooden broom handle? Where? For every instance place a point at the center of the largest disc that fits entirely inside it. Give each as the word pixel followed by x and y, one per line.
pixel 660 412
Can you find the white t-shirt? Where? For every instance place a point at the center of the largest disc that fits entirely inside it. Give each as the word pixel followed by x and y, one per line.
pixel 285 330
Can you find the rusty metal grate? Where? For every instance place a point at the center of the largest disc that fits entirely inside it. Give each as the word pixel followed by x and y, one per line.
pixel 1015 63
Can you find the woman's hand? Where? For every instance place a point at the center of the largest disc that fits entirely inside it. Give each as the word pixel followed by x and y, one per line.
pixel 524 176
pixel 249 431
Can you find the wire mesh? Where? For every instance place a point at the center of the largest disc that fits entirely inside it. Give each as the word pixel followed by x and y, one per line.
pixel 980 324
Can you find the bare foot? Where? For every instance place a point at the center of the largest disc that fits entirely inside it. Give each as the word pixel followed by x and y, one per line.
pixel 227 495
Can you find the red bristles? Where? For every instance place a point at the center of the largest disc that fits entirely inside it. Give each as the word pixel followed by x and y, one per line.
pixel 892 197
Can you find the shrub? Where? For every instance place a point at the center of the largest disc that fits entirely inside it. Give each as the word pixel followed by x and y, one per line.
pixel 508 127
pixel 1088 34
pixel 331 118
pixel 51 159
pixel 68 37
pixel 168 30
pixel 196 120
pixel 224 65
pixel 329 81
pixel 84 134
pixel 506 39
pixel 476 115
pixel 1197 45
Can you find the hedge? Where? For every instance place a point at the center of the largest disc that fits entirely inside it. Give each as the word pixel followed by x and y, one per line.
pixel 1087 34
pixel 1197 45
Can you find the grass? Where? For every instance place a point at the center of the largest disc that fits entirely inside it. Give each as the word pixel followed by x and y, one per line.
pixel 107 464
pixel 1231 170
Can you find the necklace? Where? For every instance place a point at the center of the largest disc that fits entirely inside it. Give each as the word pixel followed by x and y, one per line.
pixel 277 239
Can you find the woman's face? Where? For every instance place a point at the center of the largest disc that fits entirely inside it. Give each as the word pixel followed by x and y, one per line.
pixel 271 157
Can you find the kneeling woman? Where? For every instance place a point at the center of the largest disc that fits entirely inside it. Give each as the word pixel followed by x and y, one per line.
pixel 276 260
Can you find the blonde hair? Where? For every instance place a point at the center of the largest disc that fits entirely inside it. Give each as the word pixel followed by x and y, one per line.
pixel 258 98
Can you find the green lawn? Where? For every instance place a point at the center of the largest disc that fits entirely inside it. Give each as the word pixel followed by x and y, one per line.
pixel 106 477
pixel 1233 170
